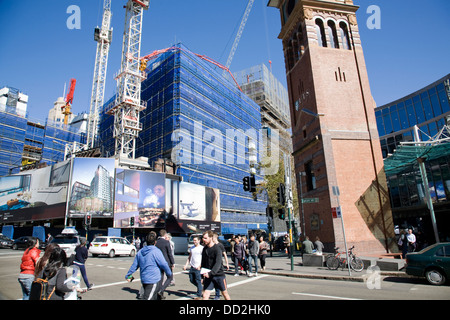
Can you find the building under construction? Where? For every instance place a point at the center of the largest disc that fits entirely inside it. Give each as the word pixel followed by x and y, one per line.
pixel 26 142
pixel 201 122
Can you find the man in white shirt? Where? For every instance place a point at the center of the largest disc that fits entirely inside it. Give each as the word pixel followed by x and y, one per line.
pixel 411 238
pixel 195 262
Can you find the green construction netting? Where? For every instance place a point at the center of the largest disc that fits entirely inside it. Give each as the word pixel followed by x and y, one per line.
pixel 407 155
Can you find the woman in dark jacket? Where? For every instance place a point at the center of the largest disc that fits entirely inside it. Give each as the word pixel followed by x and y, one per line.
pixel 55 272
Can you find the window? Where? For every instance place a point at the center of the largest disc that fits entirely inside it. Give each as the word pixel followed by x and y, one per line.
pixel 310 178
pixel 332 34
pixel 345 39
pixel 320 30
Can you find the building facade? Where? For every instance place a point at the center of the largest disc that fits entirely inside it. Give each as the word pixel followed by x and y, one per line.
pixel 336 145
pixel 428 109
pixel 200 121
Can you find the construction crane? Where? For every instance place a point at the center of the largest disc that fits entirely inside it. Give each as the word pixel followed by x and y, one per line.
pixel 103 36
pixel 239 34
pixel 69 100
pixel 128 102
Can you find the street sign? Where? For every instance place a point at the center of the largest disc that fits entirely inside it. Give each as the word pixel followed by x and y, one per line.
pixel 336 212
pixel 310 200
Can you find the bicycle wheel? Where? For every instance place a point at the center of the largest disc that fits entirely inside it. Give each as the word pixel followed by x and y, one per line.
pixel 332 262
pixel 356 264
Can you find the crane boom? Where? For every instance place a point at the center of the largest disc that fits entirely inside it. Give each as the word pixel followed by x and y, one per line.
pixel 69 100
pixel 239 33
pixel 103 36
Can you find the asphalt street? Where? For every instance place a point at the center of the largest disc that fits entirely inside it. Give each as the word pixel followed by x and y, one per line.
pixel 108 276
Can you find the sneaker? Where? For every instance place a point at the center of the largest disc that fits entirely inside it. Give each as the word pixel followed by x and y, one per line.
pixel 91 286
pixel 236 274
pixel 256 274
pixel 249 274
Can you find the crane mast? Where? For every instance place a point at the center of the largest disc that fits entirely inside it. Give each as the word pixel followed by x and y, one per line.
pixel 103 36
pixel 128 102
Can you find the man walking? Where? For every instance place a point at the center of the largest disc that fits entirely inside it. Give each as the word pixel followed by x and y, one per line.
pixel 212 268
pixel 195 261
pixel 151 263
pixel 164 245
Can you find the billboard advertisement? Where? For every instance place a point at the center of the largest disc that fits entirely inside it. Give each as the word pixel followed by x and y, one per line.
pixel 37 194
pixel 198 208
pixel 140 196
pixel 92 188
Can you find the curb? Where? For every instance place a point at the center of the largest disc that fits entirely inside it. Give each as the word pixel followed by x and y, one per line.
pixel 361 278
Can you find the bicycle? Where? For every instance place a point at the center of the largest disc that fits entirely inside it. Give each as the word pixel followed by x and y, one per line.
pixel 334 261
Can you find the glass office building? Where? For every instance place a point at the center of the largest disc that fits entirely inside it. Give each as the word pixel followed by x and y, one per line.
pixel 202 122
pixel 427 108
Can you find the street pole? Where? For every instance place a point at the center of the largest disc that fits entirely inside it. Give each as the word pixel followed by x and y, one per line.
pixel 337 193
pixel 423 173
pixel 287 179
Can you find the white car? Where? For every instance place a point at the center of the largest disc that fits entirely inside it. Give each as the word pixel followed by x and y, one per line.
pixel 112 246
pixel 68 240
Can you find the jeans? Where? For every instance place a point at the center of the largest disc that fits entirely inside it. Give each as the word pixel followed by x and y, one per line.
pixel 255 260
pixel 196 279
pixel 83 272
pixel 26 280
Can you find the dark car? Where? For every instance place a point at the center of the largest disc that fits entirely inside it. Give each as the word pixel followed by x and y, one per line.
pixel 433 263
pixel 22 243
pixel 5 242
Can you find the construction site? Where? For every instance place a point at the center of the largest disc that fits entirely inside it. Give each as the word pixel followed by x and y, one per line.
pixel 174 111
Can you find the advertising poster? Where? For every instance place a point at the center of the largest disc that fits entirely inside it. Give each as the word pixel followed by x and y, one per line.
pixel 37 194
pixel 139 196
pixel 198 208
pixel 92 188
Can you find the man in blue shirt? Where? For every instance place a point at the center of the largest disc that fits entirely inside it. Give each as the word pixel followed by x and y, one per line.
pixel 151 262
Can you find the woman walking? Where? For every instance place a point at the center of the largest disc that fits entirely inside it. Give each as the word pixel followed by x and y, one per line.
pixel 29 259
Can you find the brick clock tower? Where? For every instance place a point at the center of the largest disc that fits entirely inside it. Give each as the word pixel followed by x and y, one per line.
pixel 334 132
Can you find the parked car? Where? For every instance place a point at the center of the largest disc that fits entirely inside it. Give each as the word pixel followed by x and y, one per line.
pixel 22 243
pixel 5 242
pixel 111 246
pixel 68 240
pixel 433 263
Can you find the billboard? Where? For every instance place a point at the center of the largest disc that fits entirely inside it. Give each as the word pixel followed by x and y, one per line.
pixel 38 194
pixel 198 207
pixel 139 195
pixel 92 188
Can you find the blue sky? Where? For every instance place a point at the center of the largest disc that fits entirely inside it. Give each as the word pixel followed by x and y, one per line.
pixel 39 54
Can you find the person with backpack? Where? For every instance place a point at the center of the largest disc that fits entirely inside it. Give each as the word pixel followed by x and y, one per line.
pixel 29 259
pixel 51 281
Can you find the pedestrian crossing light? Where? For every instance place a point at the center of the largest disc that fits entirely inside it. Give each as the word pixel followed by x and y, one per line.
pixel 132 222
pixel 282 213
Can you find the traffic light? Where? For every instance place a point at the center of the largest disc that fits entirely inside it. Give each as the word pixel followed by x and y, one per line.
pixel 88 219
pixel 132 222
pixel 282 213
pixel 269 212
pixel 246 182
pixel 281 194
pixel 252 184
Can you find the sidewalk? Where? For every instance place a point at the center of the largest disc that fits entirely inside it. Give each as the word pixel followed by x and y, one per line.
pixel 280 265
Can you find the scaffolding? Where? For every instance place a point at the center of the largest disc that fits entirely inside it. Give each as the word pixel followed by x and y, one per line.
pixel 185 93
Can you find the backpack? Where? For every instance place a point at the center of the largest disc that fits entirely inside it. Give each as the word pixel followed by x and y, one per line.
pixel 39 290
